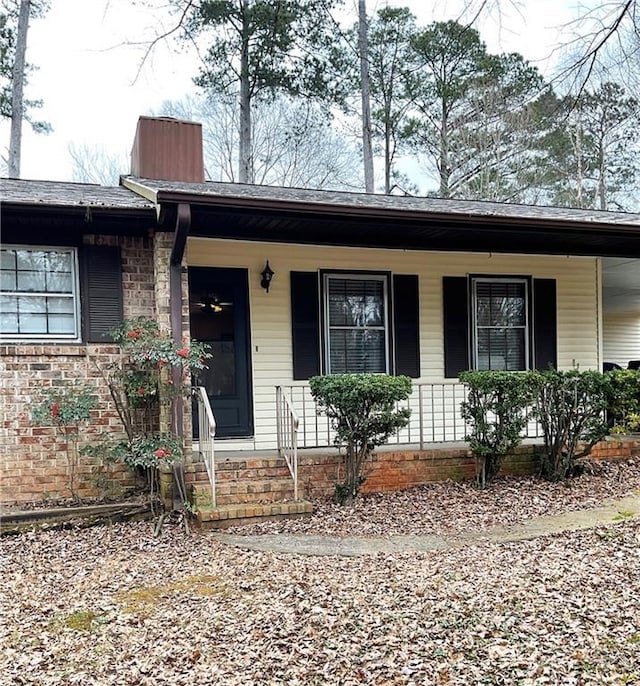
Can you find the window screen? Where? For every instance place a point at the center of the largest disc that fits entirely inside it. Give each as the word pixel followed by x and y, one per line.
pixel 356 320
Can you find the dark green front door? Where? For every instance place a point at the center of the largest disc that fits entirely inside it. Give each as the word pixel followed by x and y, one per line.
pixel 219 317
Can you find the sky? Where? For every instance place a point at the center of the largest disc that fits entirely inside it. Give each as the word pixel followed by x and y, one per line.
pixel 88 55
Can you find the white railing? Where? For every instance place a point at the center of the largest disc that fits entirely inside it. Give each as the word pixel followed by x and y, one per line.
pixel 206 434
pixel 435 417
pixel 287 427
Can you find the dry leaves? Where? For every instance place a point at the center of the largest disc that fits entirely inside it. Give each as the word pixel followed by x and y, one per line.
pixel 112 605
pixel 459 507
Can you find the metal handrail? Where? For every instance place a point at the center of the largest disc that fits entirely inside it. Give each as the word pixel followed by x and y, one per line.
pixel 287 423
pixel 207 432
pixel 435 416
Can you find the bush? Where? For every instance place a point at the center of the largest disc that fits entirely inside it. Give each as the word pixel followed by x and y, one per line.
pixel 624 400
pixel 363 412
pixel 496 411
pixel 150 373
pixel 571 408
pixel 66 407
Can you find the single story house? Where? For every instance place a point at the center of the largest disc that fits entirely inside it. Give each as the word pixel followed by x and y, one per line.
pixel 286 283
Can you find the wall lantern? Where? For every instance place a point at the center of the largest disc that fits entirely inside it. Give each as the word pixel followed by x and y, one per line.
pixel 267 275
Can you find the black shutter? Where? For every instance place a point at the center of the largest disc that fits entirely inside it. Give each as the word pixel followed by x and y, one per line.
pixel 102 291
pixel 305 324
pixel 455 301
pixel 406 324
pixel 545 329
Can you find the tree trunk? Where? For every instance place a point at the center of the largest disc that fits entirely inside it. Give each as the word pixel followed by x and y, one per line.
pixel 17 91
pixel 444 153
pixel 367 149
pixel 387 151
pixel 579 189
pixel 245 162
pixel 602 182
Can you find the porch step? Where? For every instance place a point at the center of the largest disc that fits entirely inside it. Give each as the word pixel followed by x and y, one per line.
pixel 243 480
pixel 244 491
pixel 224 516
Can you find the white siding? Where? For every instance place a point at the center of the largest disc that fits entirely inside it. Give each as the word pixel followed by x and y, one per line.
pixel 577 294
pixel 621 332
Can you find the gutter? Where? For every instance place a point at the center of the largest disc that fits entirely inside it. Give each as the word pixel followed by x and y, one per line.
pixel 330 210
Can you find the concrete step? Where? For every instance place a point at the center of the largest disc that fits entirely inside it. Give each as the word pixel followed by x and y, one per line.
pixel 224 516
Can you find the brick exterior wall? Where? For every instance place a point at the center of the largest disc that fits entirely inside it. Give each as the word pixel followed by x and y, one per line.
pixel 393 470
pixel 265 479
pixel 33 466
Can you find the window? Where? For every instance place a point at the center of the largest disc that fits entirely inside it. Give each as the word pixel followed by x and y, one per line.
pixel 356 321
pixel 500 324
pixel 39 293
pixel 346 322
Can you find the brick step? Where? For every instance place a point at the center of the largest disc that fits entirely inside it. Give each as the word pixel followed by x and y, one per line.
pixel 225 516
pixel 243 491
pixel 240 468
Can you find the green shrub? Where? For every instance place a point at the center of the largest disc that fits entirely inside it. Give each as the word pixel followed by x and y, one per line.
pixel 624 400
pixel 363 412
pixel 571 407
pixel 66 407
pixel 496 411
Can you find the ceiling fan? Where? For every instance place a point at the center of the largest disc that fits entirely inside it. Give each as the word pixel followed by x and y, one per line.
pixel 212 304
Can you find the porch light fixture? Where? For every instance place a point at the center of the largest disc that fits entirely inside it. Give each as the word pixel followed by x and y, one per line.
pixel 267 275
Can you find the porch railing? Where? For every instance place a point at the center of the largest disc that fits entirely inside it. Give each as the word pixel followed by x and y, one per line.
pixel 207 432
pixel 435 417
pixel 287 427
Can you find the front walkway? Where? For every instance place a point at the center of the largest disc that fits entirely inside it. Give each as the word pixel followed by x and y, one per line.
pixel 302 544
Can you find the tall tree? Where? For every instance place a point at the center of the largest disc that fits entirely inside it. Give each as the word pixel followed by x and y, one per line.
pixel 591 151
pixel 14 24
pixel 365 95
pixel 612 120
pixel 466 101
pixel 390 35
pixel 258 48
pixel 17 90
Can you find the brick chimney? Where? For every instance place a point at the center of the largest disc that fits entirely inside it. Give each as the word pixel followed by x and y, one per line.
pixel 168 149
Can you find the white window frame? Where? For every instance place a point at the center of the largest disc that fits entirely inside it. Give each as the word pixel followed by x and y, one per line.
pixel 74 337
pixel 527 325
pixel 355 276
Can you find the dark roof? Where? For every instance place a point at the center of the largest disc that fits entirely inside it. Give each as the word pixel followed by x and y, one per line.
pixel 59 212
pixel 267 213
pixel 66 194
pixel 291 215
pixel 335 201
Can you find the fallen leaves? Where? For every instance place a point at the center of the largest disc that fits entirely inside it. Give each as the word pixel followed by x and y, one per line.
pixel 181 610
pixel 459 507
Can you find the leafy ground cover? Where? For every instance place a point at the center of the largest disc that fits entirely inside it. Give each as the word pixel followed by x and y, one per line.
pixel 113 605
pixel 459 507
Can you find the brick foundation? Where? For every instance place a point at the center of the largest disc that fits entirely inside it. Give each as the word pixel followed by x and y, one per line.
pixel 398 469
pixel 265 479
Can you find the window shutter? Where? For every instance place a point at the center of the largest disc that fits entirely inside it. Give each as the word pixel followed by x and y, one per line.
pixel 102 291
pixel 406 324
pixel 545 329
pixel 305 324
pixel 455 301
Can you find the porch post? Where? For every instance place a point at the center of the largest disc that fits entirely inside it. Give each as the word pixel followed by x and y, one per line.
pixel 183 224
